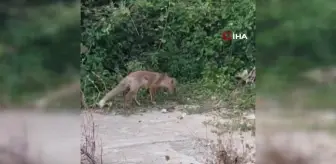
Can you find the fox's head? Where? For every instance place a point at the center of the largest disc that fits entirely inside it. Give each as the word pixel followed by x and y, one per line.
pixel 169 83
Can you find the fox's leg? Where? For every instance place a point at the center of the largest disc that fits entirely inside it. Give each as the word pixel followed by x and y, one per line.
pixel 149 94
pixel 152 92
pixel 135 99
pixel 127 99
pixel 135 93
pixel 126 91
pixel 133 90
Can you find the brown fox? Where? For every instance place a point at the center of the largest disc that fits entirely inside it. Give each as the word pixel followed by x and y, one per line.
pixel 134 81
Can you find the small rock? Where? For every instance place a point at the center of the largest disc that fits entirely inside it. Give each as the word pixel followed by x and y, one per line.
pixel 142 110
pixel 178 107
pixel 167 158
pixel 182 116
pixel 99 111
pixel 250 117
pixel 163 110
pixel 171 109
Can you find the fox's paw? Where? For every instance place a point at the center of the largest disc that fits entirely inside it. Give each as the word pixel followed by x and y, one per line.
pixel 101 103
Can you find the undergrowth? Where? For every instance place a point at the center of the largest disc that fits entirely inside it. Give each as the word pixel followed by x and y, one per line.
pixel 163 36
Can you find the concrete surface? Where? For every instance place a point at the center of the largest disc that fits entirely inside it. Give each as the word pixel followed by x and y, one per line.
pixel 52 138
pixel 148 138
pixel 142 139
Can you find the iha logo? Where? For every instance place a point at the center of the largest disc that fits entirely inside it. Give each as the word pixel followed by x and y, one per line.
pixel 229 35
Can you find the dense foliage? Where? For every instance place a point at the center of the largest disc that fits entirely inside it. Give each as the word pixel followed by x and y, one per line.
pixel 38 47
pixel 294 36
pixel 39 41
pixel 182 38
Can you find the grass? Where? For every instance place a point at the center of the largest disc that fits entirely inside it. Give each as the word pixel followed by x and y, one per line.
pixel 193 98
pixel 239 97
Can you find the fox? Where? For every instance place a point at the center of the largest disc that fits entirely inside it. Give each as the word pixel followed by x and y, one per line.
pixel 134 81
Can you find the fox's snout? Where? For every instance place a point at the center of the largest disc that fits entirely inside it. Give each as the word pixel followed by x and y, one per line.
pixel 169 90
pixel 170 84
pixel 172 89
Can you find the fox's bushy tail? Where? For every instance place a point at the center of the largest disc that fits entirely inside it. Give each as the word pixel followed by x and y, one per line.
pixel 122 86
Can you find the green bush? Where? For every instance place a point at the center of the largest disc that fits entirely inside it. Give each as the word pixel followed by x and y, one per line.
pixel 182 38
pixel 295 37
pixel 38 48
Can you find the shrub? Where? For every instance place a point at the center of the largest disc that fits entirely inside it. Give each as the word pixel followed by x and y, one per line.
pixel 182 38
